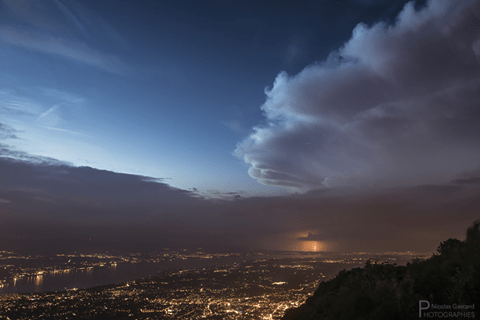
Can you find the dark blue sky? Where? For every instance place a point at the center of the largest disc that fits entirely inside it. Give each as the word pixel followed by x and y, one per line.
pixel 239 99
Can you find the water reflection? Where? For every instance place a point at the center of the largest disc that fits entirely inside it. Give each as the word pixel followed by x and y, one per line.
pixel 39 280
pixel 56 280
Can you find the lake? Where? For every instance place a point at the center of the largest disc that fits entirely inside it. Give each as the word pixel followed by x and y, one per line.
pixel 86 278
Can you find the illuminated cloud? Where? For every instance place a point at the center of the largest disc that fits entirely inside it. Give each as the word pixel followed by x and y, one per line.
pixel 396 105
pixel 311 237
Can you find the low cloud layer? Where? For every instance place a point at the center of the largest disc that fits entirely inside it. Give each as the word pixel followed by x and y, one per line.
pixel 396 105
pixel 74 208
pixel 42 198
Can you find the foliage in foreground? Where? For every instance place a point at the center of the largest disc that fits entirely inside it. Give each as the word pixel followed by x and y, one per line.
pixel 386 291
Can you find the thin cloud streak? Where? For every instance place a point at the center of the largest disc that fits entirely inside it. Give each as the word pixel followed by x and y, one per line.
pixel 52 28
pixel 396 105
pixel 76 50
pixel 49 111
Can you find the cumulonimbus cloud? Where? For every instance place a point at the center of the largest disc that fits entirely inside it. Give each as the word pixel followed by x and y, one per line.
pixel 395 105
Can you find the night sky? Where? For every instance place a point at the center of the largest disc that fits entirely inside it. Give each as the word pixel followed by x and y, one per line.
pixel 293 125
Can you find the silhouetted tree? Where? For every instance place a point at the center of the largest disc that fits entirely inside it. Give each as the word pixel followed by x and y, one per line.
pixel 473 236
pixel 385 291
pixel 447 246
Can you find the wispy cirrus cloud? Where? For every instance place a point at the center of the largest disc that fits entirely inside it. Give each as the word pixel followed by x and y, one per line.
pixel 48 107
pixel 56 27
pixel 395 105
pixel 13 109
pixel 15 102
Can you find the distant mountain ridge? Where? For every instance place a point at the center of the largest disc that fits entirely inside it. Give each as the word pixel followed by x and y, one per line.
pixel 447 286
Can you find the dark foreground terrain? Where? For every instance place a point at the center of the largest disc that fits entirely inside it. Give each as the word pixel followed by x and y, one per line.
pixel 446 286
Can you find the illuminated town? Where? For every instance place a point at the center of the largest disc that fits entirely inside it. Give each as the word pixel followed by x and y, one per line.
pixel 250 160
pixel 256 289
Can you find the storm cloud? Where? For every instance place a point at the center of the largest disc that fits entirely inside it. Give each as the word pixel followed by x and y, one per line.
pixel 47 204
pixel 396 105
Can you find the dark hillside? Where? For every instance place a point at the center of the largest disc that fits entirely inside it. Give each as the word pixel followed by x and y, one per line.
pixel 448 282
